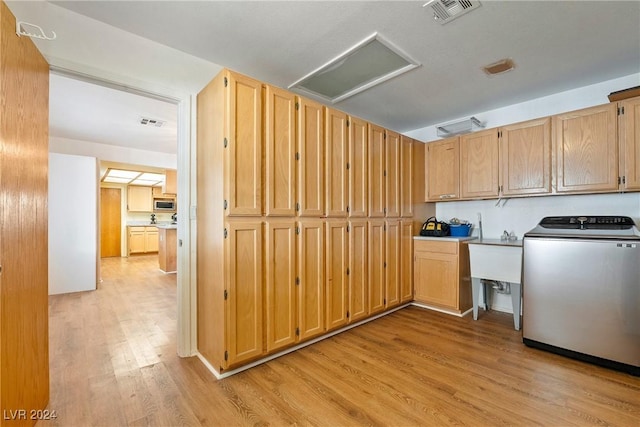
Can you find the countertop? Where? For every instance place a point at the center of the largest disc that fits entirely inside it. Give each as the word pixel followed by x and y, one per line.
pixel 497 242
pixel 446 239
pixel 159 224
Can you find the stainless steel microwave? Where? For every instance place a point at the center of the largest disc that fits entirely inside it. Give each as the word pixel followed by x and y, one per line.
pixel 164 205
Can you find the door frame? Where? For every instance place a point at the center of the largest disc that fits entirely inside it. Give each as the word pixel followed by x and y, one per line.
pixel 186 157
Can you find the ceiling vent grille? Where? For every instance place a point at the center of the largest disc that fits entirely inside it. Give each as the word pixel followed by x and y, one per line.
pixel 146 121
pixel 445 11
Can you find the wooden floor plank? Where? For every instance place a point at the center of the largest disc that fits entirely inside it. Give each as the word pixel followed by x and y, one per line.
pixel 113 362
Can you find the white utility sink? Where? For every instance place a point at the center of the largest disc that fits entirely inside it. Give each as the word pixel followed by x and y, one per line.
pixel 499 260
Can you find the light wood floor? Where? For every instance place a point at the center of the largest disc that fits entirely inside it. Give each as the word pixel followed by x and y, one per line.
pixel 113 362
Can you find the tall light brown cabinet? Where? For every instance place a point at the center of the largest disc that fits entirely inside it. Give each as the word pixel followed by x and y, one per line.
pixel 24 139
pixel 304 217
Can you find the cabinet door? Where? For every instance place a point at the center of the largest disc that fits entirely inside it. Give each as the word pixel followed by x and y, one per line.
pixel 358 270
pixel 280 147
pixel 436 279
pixel 136 240
pixel 585 149
pixel 406 177
pixel 392 263
pixel 337 287
pixel 244 306
pixel 376 171
pixel 358 149
pixel 151 243
pixel 376 266
pixel 310 155
pixel 311 278
pixel 479 164
pixel 170 185
pixel 630 143
pixel 443 170
pixel 139 199
pixel 392 174
pixel 525 151
pixel 406 261
pixel 280 284
pixel 243 168
pixel 336 152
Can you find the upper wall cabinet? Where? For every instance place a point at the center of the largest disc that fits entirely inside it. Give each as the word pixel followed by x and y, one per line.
pixel 479 164
pixel 585 150
pixel 310 155
pixel 376 171
pixel 392 174
pixel 443 170
pixel 243 145
pixel 358 162
pixel 629 128
pixel 525 158
pixel 406 177
pixel 280 149
pixel 336 152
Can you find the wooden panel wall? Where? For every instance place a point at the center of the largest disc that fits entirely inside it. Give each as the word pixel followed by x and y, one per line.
pixel 24 138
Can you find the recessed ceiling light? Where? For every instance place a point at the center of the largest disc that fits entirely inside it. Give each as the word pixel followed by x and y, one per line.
pixel 499 67
pixel 368 63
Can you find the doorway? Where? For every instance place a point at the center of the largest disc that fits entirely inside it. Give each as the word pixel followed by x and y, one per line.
pixel 110 222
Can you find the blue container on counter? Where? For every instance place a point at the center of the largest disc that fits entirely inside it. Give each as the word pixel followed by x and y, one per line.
pixel 460 230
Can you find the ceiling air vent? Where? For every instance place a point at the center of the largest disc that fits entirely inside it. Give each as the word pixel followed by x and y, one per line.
pixel 145 121
pixel 447 10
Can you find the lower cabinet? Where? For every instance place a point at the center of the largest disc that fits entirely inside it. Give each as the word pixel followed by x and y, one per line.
pixel 243 291
pixel 289 280
pixel 141 239
pixel 441 274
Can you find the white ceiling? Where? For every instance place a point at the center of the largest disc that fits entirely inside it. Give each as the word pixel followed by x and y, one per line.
pixel 89 112
pixel 556 45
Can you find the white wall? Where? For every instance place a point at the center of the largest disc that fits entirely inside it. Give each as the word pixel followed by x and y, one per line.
pixel 570 100
pixel 73 223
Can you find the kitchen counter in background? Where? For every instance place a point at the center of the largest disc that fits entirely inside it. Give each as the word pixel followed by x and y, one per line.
pixel 169 226
pixel 159 224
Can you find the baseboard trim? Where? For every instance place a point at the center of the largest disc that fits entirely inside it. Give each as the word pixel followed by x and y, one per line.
pixel 441 310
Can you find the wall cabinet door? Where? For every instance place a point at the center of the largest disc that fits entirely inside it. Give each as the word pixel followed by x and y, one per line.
pixel 376 266
pixel 310 278
pixel 139 199
pixel 525 152
pixel 406 261
pixel 310 155
pixel 479 164
pixel 358 162
pixel 336 260
pixel 392 174
pixel 392 263
pixel 443 170
pixel 376 171
pixel 336 159
pixel 406 177
pixel 244 304
pixel 358 270
pixel 586 150
pixel 280 284
pixel 170 185
pixel 280 152
pixel 629 125
pixel 243 168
